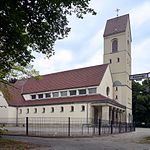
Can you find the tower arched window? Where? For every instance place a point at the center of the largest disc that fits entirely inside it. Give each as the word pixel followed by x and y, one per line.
pixel 114 45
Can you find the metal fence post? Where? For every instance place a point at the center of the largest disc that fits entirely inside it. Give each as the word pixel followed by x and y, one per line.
pixel 69 126
pixel 27 123
pixel 94 129
pixel 126 127
pixel 119 127
pixel 133 126
pixel 130 127
pixel 99 126
pixel 111 127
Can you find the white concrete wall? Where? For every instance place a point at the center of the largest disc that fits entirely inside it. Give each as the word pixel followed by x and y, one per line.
pixel 121 42
pixel 7 113
pixel 12 112
pixel 106 82
pixel 117 67
pixel 105 112
pixel 77 113
pixel 3 106
pixel 27 96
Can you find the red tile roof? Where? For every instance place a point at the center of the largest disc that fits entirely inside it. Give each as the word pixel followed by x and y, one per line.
pixel 116 25
pixel 83 77
pixel 77 78
pixel 14 97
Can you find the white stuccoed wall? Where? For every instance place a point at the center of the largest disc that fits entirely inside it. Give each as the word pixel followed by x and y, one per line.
pixel 77 113
pixel 105 112
pixel 12 112
pixel 3 106
pixel 106 82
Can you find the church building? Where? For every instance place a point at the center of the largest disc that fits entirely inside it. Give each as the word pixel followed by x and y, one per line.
pixel 102 91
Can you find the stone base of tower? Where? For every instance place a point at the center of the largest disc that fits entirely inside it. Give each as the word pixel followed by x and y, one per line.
pixel 129 116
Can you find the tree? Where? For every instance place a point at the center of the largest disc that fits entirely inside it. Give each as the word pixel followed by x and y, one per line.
pixel 136 88
pixel 18 72
pixel 34 25
pixel 141 102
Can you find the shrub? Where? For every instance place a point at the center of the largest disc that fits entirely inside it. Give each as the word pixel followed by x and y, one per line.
pixel 3 131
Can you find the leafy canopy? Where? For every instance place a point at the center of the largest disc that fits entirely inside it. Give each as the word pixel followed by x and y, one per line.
pixel 141 101
pixel 18 72
pixel 34 25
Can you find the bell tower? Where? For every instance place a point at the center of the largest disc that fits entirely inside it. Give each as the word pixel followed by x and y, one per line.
pixel 117 53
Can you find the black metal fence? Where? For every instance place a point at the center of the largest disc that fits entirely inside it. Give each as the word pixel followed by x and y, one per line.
pixel 57 127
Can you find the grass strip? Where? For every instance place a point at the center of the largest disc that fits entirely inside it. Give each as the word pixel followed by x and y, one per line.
pixel 15 145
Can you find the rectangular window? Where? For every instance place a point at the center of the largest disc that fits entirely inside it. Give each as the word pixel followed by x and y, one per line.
pixel 92 90
pixel 27 110
pixel 72 109
pixel 61 109
pixel 35 110
pixel 73 92
pixel 20 111
pixel 33 96
pixel 43 110
pixel 63 93
pixel 82 91
pixel 116 88
pixel 47 95
pixel 116 96
pixel 82 108
pixel 118 59
pixel 55 94
pixel 110 61
pixel 40 96
pixel 52 109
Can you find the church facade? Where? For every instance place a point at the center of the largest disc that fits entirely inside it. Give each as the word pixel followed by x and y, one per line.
pixel 102 91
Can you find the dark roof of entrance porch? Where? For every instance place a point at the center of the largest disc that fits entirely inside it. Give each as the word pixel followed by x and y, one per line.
pixel 108 102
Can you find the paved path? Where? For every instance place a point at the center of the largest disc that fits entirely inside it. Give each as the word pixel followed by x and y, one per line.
pixel 126 141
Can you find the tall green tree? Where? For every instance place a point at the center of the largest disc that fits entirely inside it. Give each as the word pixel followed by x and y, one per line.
pixel 34 25
pixel 141 102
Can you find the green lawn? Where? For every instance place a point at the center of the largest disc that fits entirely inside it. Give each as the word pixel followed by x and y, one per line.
pixel 145 140
pixel 15 145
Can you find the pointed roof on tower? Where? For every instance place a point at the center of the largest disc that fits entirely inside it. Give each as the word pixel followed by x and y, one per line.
pixel 116 25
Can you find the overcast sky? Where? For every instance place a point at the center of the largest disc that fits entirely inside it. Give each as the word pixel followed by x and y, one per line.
pixel 84 45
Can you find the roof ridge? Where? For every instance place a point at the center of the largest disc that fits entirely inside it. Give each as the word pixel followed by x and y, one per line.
pixel 73 69
pixel 118 17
